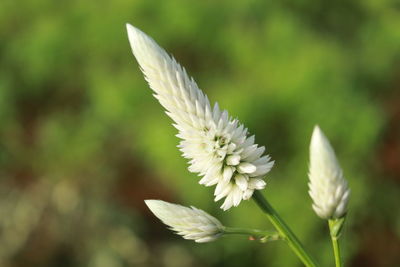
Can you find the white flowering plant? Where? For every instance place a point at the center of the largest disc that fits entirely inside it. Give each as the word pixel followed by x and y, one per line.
pixel 221 151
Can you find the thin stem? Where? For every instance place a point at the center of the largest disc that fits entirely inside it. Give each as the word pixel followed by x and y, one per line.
pixel 335 244
pixel 270 235
pixel 283 230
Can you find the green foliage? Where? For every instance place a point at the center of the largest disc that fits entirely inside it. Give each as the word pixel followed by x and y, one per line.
pixel 78 122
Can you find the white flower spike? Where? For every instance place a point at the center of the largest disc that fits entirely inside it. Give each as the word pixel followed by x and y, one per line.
pixel 191 223
pixel 217 146
pixel 327 187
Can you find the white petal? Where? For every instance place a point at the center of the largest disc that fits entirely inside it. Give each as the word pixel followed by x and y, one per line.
pixel 228 203
pixel 227 173
pixel 221 187
pixel 246 167
pixel 233 160
pixel 216 112
pixel 236 195
pixel 255 183
pixel 226 190
pixel 248 193
pixel 241 182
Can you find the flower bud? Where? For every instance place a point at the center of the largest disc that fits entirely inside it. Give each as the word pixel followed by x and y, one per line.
pixel 327 187
pixel 190 223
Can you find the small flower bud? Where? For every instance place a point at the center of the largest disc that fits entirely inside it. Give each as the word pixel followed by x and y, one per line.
pixel 190 223
pixel 327 187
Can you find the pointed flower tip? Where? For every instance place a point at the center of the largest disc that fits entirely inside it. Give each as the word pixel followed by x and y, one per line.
pixel 154 205
pixel 132 32
pixel 131 28
pixel 136 37
pixel 317 134
pixel 150 202
pixel 190 223
pixel 328 187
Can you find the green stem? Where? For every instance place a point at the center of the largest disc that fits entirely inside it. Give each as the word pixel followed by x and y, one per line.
pixel 283 230
pixel 271 235
pixel 335 244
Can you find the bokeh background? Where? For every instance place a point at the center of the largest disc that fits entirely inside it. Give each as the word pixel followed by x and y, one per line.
pixel 83 142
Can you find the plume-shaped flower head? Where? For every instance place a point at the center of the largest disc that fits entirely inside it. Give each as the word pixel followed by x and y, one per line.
pixel 328 187
pixel 218 147
pixel 190 223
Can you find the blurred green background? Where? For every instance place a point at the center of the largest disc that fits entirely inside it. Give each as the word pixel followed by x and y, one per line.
pixel 83 142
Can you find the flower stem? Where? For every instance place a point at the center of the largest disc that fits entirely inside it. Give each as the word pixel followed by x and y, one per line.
pixel 335 244
pixel 283 230
pixel 267 235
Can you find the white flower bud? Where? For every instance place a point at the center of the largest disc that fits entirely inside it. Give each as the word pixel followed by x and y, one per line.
pixel 327 187
pixel 191 223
